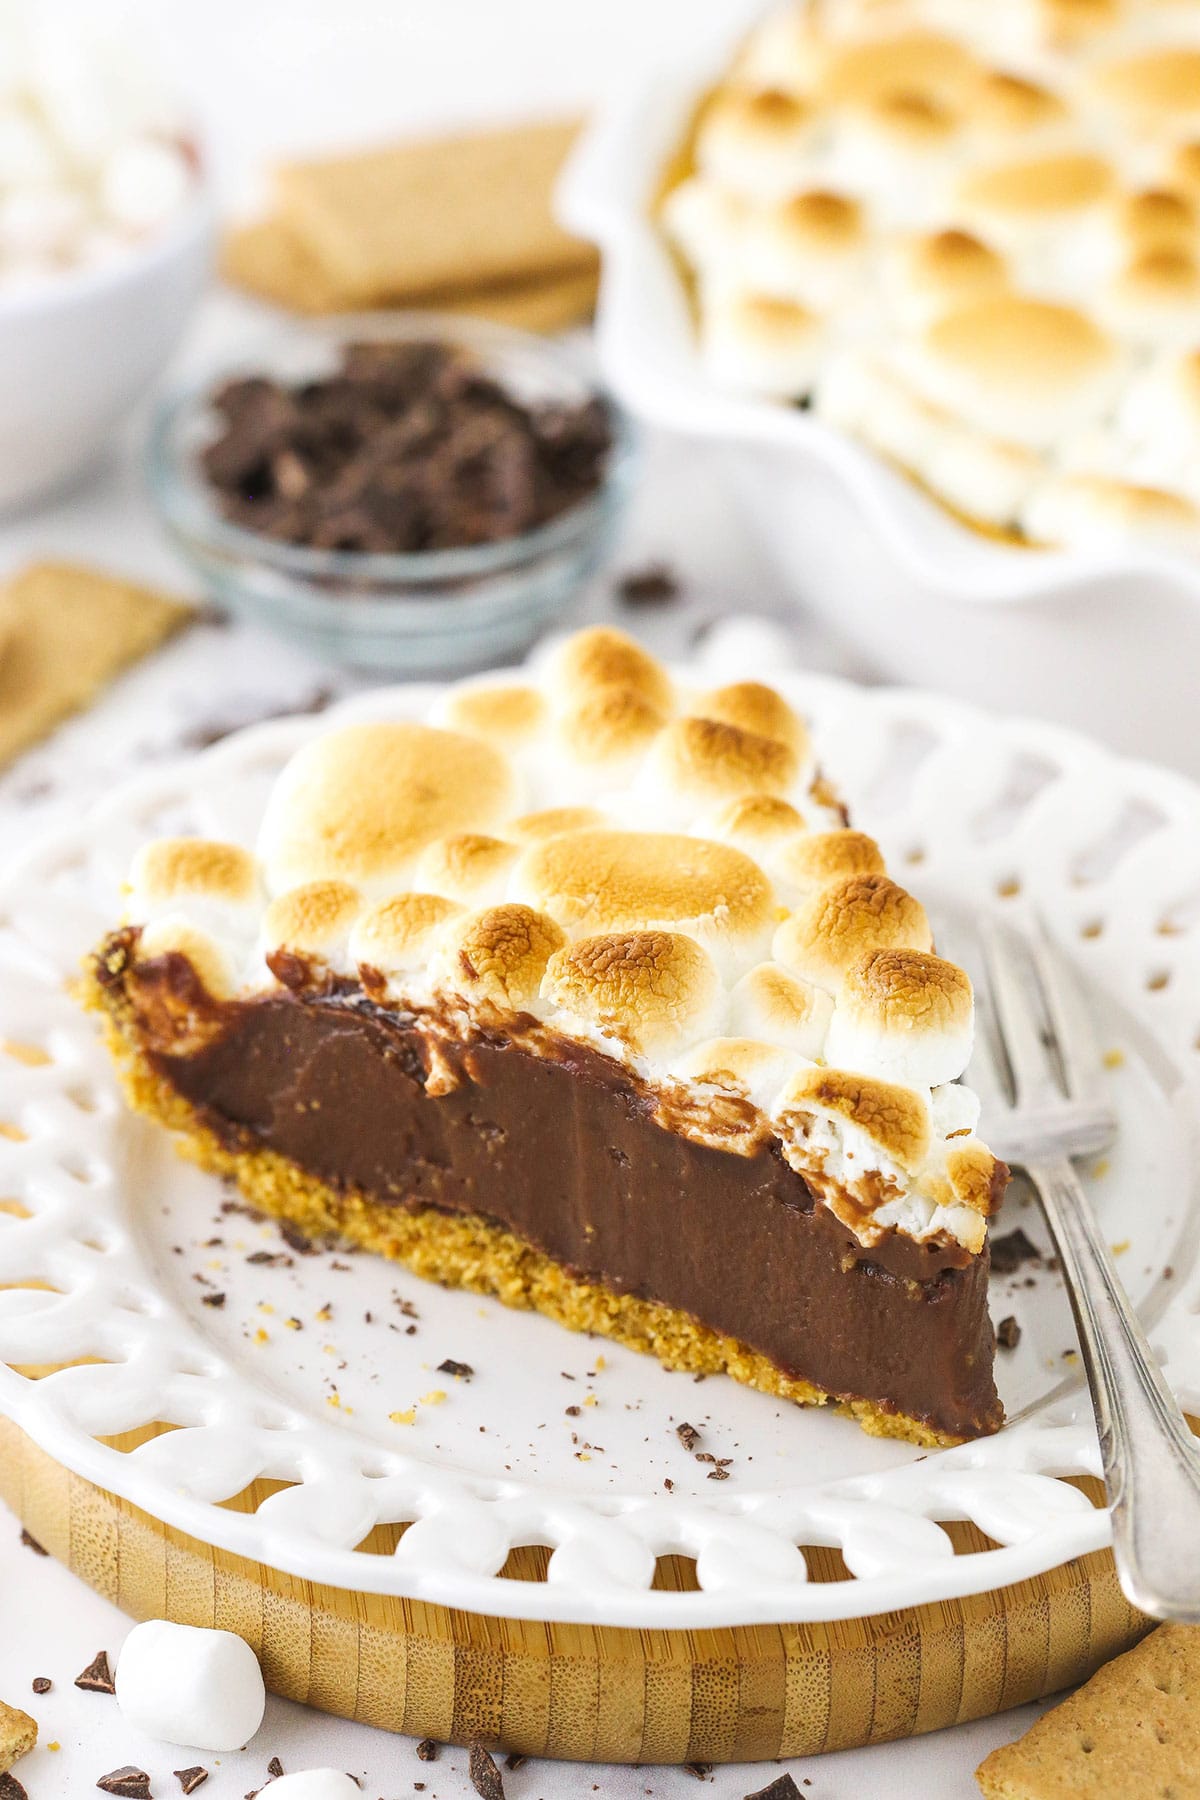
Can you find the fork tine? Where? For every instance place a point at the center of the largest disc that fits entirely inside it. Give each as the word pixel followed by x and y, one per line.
pixel 1070 1024
pixel 988 1072
pixel 1035 1079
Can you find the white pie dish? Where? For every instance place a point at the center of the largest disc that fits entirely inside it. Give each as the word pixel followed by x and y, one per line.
pixel 1104 639
pixel 107 1204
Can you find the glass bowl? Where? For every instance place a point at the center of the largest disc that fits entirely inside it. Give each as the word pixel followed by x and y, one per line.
pixel 428 613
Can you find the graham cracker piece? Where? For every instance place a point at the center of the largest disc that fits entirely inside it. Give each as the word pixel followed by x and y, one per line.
pixel 435 214
pixel 18 1735
pixel 65 632
pixel 268 258
pixel 1133 1729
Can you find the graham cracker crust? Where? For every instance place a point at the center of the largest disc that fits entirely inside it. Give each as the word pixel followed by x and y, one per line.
pixel 467 1250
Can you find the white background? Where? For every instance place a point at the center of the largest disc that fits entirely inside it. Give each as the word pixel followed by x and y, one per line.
pixel 269 76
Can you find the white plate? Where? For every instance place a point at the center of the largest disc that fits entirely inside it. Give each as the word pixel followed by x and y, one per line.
pixel 923 598
pixel 118 1228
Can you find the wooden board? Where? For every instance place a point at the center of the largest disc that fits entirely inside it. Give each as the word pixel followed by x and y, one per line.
pixel 584 1692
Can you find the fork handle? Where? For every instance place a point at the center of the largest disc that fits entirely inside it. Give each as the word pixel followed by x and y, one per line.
pixel 1151 1461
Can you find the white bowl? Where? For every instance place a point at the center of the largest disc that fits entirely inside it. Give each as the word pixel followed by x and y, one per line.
pixel 78 350
pixel 1107 640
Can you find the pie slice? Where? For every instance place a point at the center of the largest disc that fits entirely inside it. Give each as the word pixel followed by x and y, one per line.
pixel 583 994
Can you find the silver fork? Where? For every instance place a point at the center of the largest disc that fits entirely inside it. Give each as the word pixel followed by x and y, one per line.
pixel 1042 1064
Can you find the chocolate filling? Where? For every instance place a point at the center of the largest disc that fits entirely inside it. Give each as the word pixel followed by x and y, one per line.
pixel 564 1149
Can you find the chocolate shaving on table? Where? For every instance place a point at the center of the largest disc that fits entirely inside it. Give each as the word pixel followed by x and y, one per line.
pixel 1011 1251
pixel 486 1778
pixel 782 1788
pixel 450 1367
pixel 514 1761
pixel 688 1436
pixel 428 1750
pixel 295 1239
pixel 1008 1333
pixel 31 1543
pixel 274 1768
pixel 97 1677
pixel 190 1779
pixel 701 1770
pixel 404 447
pixel 41 1684
pixel 654 585
pixel 10 1787
pixel 212 1299
pixel 128 1782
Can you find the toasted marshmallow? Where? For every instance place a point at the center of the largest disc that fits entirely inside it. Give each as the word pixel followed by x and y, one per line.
pixel 601 739
pixel 396 937
pixel 1092 510
pixel 469 867
pixel 313 921
pixel 1157 219
pixel 894 1120
pixel 841 923
pixel 760 343
pixel 1033 197
pixel 175 935
pixel 506 714
pixel 553 821
pixel 601 658
pixel 985 479
pixel 754 707
pixel 1007 109
pixel 359 804
pixel 817 859
pixel 903 1016
pixel 866 396
pixel 621 881
pixel 758 142
pixel 1021 370
pixel 695 764
pixel 781 52
pixel 938 271
pixel 771 1004
pixel 1155 90
pixel 216 884
pixel 497 956
pixel 809 248
pixel 1155 298
pixel 706 222
pixel 756 1070
pixel 651 990
pixel 953 1111
pixel 755 823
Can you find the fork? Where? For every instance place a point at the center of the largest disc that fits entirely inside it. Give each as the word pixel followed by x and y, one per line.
pixel 1042 1065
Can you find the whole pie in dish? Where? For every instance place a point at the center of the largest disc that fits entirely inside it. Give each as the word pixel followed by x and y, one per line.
pixel 584 994
pixel 968 234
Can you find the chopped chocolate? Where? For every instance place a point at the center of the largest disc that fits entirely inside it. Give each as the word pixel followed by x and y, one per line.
pixel 428 1750
pixel 720 1473
pixel 42 1684
pixel 654 585
pixel 450 1367
pixel 31 1543
pixel 782 1788
pixel 10 1787
pixel 212 1300
pixel 688 1436
pixel 270 1259
pixel 295 1239
pixel 701 1770
pixel 1008 1333
pixel 97 1677
pixel 404 447
pixel 1011 1250
pixel 274 1768
pixel 128 1782
pixel 190 1779
pixel 514 1761
pixel 486 1778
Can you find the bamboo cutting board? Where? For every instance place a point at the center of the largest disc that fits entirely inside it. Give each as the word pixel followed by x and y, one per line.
pixel 582 1692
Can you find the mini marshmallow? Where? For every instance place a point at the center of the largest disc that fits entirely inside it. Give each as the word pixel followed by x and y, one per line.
pixel 143 183
pixel 903 1016
pixel 315 1784
pixel 188 1685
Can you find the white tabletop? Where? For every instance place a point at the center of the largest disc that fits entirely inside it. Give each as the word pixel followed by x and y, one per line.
pixel 268 76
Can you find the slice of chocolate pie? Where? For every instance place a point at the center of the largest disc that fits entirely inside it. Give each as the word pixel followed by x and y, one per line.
pixel 584 995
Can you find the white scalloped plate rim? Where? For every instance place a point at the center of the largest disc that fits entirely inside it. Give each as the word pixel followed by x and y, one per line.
pixel 745 1542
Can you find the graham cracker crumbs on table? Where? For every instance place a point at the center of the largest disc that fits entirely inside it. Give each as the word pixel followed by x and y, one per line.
pixel 1114 1059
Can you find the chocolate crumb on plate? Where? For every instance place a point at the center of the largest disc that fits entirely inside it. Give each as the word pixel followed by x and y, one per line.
pixel 515 1761
pixel 127 1782
pixel 427 1750
pixel 31 1543
pixel 295 1239
pixel 486 1778
pixel 655 585
pixel 701 1770
pixel 450 1367
pixel 688 1436
pixel 1008 1333
pixel 212 1299
pixel 782 1788
pixel 42 1684
pixel 97 1677
pixel 190 1779
pixel 1011 1250
pixel 10 1788
pixel 274 1768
